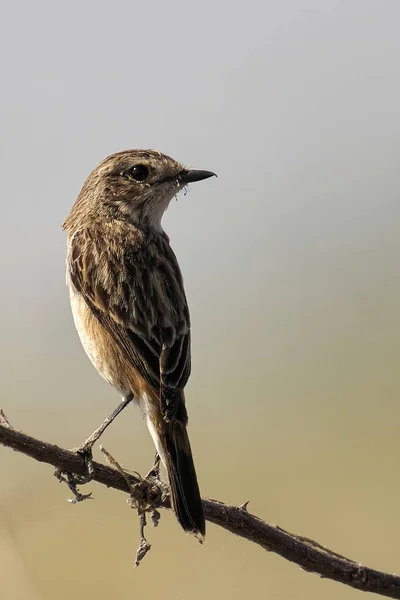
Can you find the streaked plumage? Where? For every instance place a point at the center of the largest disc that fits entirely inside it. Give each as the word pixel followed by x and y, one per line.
pixel 129 304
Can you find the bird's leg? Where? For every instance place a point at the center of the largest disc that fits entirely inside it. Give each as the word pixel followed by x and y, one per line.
pixel 92 439
pixel 154 472
pixel 85 450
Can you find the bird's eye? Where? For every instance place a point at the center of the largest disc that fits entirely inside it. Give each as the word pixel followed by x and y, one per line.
pixel 138 172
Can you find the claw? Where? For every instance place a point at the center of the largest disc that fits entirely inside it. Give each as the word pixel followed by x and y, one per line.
pixel 80 498
pixel 85 450
pixel 73 480
pixel 86 453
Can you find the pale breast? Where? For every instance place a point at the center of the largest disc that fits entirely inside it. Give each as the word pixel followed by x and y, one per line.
pixel 100 347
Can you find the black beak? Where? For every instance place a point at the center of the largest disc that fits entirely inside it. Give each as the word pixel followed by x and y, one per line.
pixel 189 176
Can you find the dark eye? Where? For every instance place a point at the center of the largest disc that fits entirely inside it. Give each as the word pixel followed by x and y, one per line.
pixel 138 172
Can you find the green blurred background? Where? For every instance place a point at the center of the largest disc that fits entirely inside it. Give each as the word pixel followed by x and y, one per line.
pixel 291 265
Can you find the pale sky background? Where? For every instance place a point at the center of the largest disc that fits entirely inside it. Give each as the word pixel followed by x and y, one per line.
pixel 291 265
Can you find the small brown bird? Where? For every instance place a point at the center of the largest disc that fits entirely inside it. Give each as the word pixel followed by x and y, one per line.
pixel 129 304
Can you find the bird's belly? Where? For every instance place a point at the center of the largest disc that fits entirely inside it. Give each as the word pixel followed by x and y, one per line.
pixel 100 347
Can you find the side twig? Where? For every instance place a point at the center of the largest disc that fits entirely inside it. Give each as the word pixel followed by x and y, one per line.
pixel 306 553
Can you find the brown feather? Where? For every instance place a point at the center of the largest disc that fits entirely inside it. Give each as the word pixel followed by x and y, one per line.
pixel 130 308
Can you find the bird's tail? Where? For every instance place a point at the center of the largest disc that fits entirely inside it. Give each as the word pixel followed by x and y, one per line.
pixel 173 446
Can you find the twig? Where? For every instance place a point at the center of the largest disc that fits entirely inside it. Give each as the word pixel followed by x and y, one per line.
pixel 309 555
pixel 111 460
pixel 144 545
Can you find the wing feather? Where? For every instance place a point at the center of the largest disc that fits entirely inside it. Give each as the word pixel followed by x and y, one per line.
pixel 135 290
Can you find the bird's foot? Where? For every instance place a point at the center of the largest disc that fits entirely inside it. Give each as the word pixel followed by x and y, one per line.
pixel 73 479
pixel 85 450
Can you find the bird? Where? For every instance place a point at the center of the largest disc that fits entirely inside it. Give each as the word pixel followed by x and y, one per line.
pixel 129 304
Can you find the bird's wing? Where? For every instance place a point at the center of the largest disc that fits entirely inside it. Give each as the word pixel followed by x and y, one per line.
pixel 137 295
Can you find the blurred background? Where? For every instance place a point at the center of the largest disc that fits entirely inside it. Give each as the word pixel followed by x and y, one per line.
pixel 291 265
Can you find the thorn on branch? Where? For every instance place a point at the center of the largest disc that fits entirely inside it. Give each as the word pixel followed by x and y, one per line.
pixel 4 421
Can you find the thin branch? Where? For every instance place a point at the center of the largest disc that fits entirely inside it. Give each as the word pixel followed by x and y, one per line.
pixel 306 553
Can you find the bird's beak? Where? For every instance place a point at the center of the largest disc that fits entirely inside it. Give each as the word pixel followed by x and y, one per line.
pixel 189 176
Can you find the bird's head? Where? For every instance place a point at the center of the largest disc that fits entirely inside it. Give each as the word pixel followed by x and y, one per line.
pixel 135 185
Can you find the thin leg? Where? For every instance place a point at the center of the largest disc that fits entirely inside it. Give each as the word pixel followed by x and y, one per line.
pixel 155 470
pixel 85 450
pixel 92 439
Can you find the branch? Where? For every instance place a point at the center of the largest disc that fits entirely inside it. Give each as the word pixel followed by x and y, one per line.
pixel 306 553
